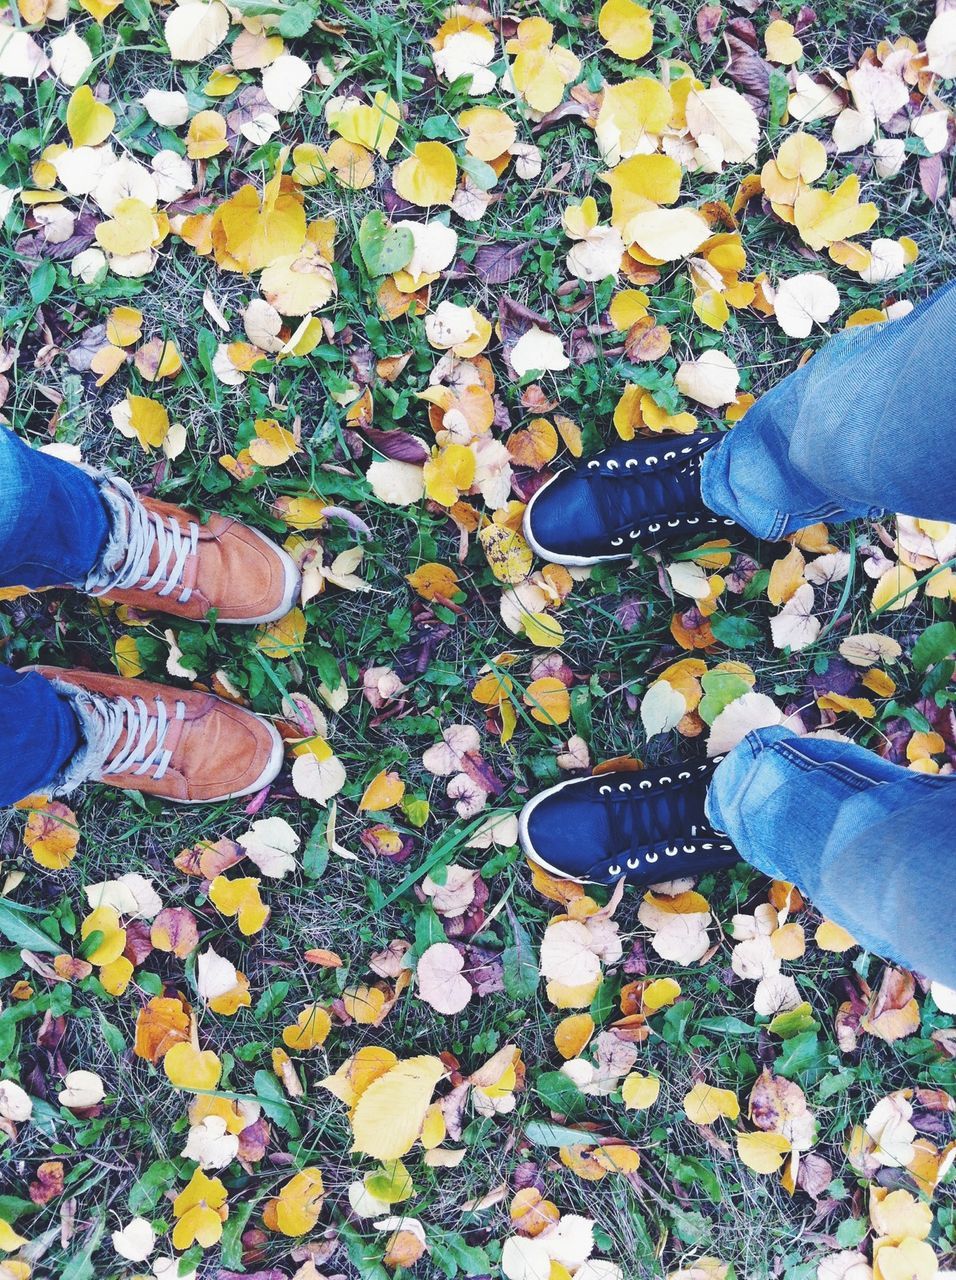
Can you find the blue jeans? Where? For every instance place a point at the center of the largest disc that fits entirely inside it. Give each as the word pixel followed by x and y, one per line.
pixel 53 528
pixel 866 426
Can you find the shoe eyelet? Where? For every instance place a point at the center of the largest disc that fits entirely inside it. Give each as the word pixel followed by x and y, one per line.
pixel 650 857
pixel 613 869
pixel 707 846
pixel 631 462
pixel 653 528
pixel 633 864
pixel 625 786
pixel 592 466
pixel 604 791
pixel 686 449
pixel 683 775
pixel 730 522
pixel 692 519
pixel 712 520
pixel 702 768
pixel 671 850
pixel 663 780
pixel 727 847
pixel 669 455
pixel 613 465
pixel 617 542
pixel 651 460
pixel 673 524
pixel 717 759
pixel 645 785
pixel 689 848
pixel 635 534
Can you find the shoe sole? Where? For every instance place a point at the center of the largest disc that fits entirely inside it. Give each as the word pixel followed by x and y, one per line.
pixel 553 557
pixel 292 585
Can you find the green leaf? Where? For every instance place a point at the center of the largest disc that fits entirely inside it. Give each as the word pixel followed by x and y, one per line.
pixel 851 1232
pixel 112 1037
pixel 546 1134
pixel 799 1054
pixel 273 1101
pixel 734 631
pixel 385 249
pixel 315 857
pixel 297 21
pixel 559 1094
pixel 936 643
pixel 16 927
pixel 150 1186
pixel 520 965
pixel 721 688
pixel 42 280
pixel 231 1245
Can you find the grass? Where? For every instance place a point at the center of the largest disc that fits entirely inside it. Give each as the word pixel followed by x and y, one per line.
pixel 688 1198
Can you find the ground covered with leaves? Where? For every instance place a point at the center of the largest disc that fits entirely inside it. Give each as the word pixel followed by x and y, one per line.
pixel 365 277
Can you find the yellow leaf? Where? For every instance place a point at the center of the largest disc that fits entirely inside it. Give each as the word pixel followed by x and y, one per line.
pixel 541 70
pixel 364 1004
pixel 896 588
pixel 507 553
pixel 374 128
pixel 250 231
pixel 300 283
pixel 158 358
pixel 385 790
pixel 131 229
pixel 908 1260
pixel 390 1114
pixel 433 581
pixel 762 1152
pixel 627 307
pixel 658 994
pixel 705 1104
pixel 221 83
pixel 240 898
pixel 124 326
pixel 628 113
pixel 449 473
pixel 126 655
pixel 572 1034
pixel 490 132
pixel 112 943
pixel 898 1215
pixel 823 217
pixel 833 937
pixel 190 1068
pixel 51 833
pixel 783 46
pixel 640 1092
pixel 862 707
pixel 309 1030
pixel 786 574
pixel 711 308
pixel 206 136
pixel 116 975
pixel 200 1210
pixel 627 28
pixel 428 176
pixel 549 700
pixel 273 445
pixel 284 638
pixel 9 1239
pixel 89 122
pixel 148 420
pixel 299 1203
pixel 543 630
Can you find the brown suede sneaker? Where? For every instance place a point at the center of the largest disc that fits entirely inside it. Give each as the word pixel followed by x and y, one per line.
pixel 176 743
pixel 163 559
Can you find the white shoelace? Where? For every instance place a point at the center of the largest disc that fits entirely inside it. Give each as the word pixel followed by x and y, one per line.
pixel 148 531
pixel 145 748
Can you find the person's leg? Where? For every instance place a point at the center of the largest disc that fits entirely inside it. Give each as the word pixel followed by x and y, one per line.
pixel 870 843
pixel 54 524
pixel 39 733
pixel 865 426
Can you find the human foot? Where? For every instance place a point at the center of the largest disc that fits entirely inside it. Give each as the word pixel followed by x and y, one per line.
pixel 645 492
pixel 643 826
pixel 179 744
pixel 161 558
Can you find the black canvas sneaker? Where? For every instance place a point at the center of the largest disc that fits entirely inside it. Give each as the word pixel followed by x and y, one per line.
pixel 644 826
pixel 643 493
